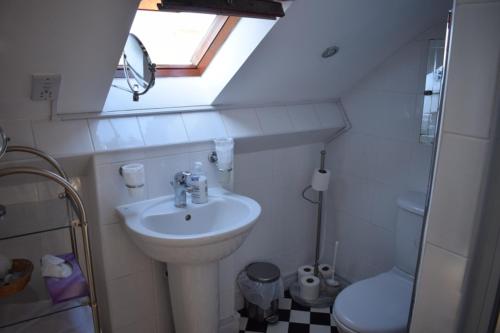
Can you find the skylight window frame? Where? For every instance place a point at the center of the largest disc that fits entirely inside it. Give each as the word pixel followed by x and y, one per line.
pixel 219 31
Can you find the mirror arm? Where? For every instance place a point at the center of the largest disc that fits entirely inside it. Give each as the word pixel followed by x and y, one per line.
pixel 131 73
pixel 135 75
pixel 121 88
pixel 147 86
pixel 151 83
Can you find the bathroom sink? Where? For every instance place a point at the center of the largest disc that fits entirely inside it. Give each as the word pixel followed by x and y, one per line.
pixel 191 241
pixel 197 233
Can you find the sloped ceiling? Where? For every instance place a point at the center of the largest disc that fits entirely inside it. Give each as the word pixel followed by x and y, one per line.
pixel 83 39
pixel 79 39
pixel 287 65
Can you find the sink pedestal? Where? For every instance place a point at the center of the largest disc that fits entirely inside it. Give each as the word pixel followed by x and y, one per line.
pixel 194 293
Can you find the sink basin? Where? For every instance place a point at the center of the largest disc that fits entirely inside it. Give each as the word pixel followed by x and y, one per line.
pixel 192 240
pixel 197 233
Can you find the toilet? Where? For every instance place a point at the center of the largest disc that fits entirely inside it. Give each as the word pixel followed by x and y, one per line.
pixel 381 304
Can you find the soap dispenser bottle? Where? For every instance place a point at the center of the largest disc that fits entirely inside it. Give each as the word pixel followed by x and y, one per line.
pixel 199 194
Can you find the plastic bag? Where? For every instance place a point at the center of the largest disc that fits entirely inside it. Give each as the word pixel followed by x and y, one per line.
pixel 258 293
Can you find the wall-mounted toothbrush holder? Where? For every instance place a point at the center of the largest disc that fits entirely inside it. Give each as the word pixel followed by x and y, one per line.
pixel 223 154
pixel 222 157
pixel 134 178
pixel 212 158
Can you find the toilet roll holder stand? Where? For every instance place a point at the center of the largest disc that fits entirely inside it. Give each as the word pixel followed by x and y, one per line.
pixel 328 292
pixel 329 289
pixel 318 202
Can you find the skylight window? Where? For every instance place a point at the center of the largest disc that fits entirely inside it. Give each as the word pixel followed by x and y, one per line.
pixel 171 38
pixel 180 44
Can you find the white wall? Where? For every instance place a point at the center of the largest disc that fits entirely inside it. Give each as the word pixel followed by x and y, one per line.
pixel 288 67
pixel 276 151
pixel 80 40
pixel 272 173
pixel 136 289
pixel 189 91
pixel 470 109
pixel 84 137
pixel 376 161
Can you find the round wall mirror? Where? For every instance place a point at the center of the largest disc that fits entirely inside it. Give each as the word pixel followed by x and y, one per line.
pixel 137 66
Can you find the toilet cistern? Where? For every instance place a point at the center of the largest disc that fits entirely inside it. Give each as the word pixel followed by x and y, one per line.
pixel 181 187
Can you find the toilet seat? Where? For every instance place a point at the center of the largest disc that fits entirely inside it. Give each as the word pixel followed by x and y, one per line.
pixel 380 304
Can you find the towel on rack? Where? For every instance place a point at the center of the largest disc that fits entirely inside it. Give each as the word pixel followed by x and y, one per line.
pixel 56 267
pixel 71 287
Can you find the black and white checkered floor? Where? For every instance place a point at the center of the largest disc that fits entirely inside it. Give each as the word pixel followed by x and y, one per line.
pixel 294 318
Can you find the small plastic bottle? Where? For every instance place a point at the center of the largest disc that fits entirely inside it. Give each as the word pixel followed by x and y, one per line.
pixel 199 194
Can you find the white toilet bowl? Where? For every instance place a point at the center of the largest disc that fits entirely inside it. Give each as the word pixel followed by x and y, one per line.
pixel 380 304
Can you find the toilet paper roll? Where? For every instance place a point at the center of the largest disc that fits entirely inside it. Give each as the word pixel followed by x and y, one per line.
pixel 326 271
pixel 320 179
pixel 309 288
pixel 306 270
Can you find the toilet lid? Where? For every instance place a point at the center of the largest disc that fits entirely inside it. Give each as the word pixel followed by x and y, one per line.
pixel 380 304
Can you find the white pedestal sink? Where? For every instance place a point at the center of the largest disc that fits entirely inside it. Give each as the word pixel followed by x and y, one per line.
pixel 192 240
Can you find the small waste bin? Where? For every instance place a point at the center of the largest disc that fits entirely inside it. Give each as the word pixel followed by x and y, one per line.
pixel 261 286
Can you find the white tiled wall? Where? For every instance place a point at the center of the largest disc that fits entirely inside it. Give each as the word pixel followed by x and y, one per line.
pixel 163 129
pixel 438 300
pixel 86 137
pixel 21 129
pixel 471 87
pixel 241 123
pixel 378 159
pixel 133 291
pixel 463 157
pixel 203 126
pixel 117 133
pixel 63 138
pixel 135 285
pixel 459 173
pixel 302 118
pixel 274 120
pixel 275 178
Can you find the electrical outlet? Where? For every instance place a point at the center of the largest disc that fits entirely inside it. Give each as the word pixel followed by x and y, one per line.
pixel 45 86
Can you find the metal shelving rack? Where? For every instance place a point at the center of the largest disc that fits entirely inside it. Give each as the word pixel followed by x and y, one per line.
pixel 75 204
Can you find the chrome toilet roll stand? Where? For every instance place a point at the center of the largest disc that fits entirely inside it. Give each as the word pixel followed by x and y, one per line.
pixel 327 293
pixel 318 202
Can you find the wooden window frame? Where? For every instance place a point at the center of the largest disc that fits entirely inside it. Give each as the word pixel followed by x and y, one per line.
pixel 219 31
